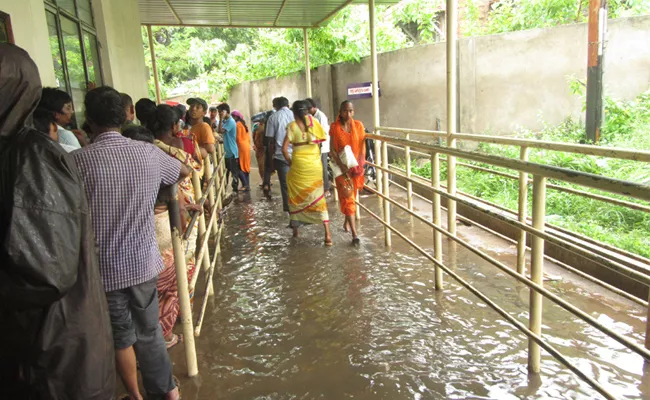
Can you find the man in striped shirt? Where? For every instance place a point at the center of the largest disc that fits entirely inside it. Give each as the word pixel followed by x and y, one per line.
pixel 122 179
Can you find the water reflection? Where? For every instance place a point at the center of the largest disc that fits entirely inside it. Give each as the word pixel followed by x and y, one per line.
pixel 296 320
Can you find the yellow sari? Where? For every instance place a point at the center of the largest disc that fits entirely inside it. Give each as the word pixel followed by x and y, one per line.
pixel 307 203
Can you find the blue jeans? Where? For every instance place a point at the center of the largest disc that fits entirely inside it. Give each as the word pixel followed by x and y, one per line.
pixel 282 168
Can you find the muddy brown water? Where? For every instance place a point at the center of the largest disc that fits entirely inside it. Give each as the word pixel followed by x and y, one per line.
pixel 292 319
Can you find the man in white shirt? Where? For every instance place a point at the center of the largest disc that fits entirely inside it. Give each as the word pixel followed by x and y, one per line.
pixel 325 146
pixel 60 103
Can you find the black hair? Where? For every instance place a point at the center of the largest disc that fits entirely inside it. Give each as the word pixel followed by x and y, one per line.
pixel 139 133
pixel 311 102
pixel 162 120
pixel 43 118
pixel 343 104
pixel 207 120
pixel 54 99
pixel 300 110
pixel 280 102
pixel 104 107
pixel 223 106
pixel 143 109
pixel 178 113
pixel 243 121
pixel 127 101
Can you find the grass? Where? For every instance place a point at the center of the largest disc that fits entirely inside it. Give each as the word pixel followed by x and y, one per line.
pixel 627 125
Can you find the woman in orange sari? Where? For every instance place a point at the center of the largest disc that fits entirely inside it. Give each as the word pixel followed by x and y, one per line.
pixel 244 147
pixel 346 131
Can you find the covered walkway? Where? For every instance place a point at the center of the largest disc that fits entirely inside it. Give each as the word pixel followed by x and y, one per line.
pixel 293 319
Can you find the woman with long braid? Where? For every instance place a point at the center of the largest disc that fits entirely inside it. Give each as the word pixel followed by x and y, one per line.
pixel 307 203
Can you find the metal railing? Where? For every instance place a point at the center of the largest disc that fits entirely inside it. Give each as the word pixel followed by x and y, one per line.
pixel 214 179
pixel 536 226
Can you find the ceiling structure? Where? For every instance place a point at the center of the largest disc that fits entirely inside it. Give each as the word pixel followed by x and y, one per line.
pixel 244 13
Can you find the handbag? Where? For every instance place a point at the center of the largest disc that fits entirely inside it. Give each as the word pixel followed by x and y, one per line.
pixel 347 189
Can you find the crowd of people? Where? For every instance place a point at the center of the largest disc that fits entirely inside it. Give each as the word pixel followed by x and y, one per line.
pixel 88 281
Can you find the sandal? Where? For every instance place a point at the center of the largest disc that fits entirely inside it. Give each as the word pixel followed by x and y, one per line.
pixel 329 243
pixel 178 386
pixel 176 339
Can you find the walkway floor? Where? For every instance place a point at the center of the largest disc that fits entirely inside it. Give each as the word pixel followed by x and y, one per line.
pixel 292 319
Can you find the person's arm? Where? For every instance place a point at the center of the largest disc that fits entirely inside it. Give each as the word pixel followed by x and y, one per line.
pixel 285 147
pixel 206 137
pixel 41 237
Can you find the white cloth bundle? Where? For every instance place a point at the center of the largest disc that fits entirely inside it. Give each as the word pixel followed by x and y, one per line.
pixel 347 158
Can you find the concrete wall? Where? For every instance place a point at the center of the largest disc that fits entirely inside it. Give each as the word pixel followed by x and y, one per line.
pixel 506 81
pixel 118 31
pixel 30 32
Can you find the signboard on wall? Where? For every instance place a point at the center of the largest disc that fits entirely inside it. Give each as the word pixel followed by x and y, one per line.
pixel 361 90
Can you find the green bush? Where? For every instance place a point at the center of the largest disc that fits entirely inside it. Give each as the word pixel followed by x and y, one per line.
pixel 627 124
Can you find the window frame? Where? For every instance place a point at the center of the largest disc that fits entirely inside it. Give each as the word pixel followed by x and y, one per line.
pixel 84 28
pixel 5 19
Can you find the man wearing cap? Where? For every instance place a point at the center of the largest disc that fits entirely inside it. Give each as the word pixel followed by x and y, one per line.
pixel 199 129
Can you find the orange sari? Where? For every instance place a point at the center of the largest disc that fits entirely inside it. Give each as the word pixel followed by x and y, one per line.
pixel 244 146
pixel 356 140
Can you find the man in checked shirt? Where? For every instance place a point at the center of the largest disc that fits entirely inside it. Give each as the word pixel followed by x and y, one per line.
pixel 122 178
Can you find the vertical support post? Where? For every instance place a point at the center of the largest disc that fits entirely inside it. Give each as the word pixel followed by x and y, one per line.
pixel 523 214
pixel 536 271
pixel 207 167
pixel 198 193
pixel 153 65
pixel 307 63
pixel 181 280
pixel 436 217
pixel 409 184
pixel 452 106
pixel 382 177
pixel 386 191
pixel 596 38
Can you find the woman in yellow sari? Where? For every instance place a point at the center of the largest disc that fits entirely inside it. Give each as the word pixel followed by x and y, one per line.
pixel 307 203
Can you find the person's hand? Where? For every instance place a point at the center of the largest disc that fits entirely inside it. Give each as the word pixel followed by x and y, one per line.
pixel 81 137
pixel 194 207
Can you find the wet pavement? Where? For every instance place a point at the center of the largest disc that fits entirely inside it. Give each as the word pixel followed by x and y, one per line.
pixel 292 319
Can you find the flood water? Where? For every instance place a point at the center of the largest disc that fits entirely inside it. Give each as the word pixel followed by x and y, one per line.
pixel 292 319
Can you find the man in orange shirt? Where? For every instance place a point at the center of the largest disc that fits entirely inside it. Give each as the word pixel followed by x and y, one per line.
pixel 201 131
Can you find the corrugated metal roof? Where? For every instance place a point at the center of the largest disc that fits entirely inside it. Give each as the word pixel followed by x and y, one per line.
pixel 244 13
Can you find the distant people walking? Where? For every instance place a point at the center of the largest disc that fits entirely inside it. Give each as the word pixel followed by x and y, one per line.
pixel 307 204
pixel 276 130
pixel 122 179
pixel 259 126
pixel 244 147
pixel 346 131
pixel 325 146
pixel 56 333
pixel 229 131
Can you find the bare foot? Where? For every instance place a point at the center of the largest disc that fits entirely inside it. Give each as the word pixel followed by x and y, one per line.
pixel 173 395
pixel 295 232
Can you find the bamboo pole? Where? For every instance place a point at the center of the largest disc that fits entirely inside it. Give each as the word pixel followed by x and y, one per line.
pixel 537 271
pixel 375 105
pixel 203 258
pixel 307 63
pixel 182 284
pixel 409 185
pixel 436 218
pixel 152 50
pixel 452 104
pixel 523 214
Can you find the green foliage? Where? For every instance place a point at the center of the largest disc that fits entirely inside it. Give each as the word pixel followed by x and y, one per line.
pixel 627 125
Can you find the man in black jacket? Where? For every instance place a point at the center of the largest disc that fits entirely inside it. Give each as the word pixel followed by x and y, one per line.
pixel 55 341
